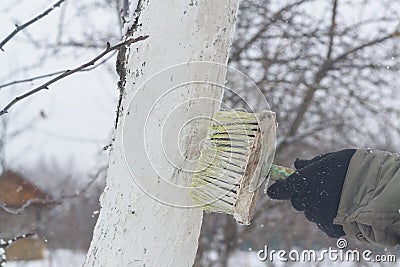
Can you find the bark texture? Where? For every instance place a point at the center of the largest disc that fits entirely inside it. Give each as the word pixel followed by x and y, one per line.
pixel 145 219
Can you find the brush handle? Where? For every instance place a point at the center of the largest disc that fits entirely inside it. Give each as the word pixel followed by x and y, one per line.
pixel 280 173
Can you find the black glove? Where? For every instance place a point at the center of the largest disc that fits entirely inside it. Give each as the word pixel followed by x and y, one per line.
pixel 316 188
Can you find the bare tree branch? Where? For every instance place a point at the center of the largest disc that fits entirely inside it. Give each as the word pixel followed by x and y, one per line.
pixel 394 34
pixel 83 44
pixel 31 79
pixel 27 204
pixel 318 77
pixel 61 21
pixel 69 72
pixel 256 36
pixel 54 73
pixel 326 66
pixel 19 28
pixel 332 29
pixel 93 178
pixel 306 133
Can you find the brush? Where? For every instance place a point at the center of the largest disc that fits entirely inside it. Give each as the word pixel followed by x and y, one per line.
pixel 235 159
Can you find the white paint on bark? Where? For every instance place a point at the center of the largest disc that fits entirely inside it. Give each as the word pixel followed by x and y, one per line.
pixel 137 228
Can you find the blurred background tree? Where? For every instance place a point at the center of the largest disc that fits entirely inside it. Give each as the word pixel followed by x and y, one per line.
pixel 329 69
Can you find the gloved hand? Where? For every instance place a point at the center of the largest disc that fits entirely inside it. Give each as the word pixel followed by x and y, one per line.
pixel 316 188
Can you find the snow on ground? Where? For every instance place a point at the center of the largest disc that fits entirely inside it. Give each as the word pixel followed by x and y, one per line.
pixel 54 258
pixel 245 259
pixel 68 258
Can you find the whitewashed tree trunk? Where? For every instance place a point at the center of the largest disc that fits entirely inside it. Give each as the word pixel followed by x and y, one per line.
pixel 144 218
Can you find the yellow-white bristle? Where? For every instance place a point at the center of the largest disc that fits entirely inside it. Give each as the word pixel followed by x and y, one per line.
pixel 232 162
pixel 223 160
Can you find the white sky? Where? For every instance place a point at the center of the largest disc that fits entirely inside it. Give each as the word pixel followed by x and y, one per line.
pixel 80 108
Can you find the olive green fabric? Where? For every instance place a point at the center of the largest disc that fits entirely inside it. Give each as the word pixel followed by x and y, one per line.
pixel 369 207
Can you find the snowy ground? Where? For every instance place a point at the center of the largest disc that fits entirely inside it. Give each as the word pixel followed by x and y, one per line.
pixel 54 258
pixel 67 258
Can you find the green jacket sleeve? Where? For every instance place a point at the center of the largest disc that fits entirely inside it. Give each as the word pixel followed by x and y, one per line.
pixel 369 208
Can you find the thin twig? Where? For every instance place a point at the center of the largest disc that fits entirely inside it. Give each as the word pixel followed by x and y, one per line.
pixel 332 29
pixel 69 72
pixel 27 204
pixel 19 28
pixel 32 78
pixel 55 73
pixel 93 178
pixel 61 20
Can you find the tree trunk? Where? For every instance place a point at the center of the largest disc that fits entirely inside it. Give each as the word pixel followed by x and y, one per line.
pixel 146 216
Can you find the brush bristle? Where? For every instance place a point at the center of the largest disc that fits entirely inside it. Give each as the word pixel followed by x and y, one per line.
pixel 223 160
